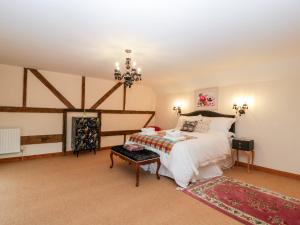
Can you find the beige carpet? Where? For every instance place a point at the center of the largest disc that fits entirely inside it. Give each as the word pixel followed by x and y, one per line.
pixel 84 191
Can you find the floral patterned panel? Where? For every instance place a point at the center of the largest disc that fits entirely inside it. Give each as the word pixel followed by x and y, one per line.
pixel 85 133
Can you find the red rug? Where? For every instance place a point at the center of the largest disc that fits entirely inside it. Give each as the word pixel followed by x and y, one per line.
pixel 246 203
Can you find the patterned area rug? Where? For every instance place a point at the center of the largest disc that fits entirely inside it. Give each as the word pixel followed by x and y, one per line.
pixel 246 203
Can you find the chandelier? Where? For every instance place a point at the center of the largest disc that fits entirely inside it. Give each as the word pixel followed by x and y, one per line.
pixel 132 73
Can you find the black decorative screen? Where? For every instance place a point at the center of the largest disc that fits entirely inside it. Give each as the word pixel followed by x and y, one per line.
pixel 85 133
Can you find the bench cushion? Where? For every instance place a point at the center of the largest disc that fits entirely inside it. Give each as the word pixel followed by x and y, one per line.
pixel 137 155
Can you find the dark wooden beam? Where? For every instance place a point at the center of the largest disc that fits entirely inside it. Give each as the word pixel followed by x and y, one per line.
pixel 83 110
pixel 107 94
pixel 126 111
pixel 124 96
pixel 118 132
pixel 30 109
pixel 64 131
pixel 60 110
pixel 111 111
pixel 39 76
pixel 100 125
pixel 24 87
pixel 41 139
pixel 83 92
pixel 148 121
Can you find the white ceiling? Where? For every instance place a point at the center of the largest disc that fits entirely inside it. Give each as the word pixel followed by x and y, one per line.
pixel 173 41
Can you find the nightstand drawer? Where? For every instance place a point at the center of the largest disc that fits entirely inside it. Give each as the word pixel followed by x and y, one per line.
pixel 243 144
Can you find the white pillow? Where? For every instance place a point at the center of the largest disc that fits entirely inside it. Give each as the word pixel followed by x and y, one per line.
pixel 203 125
pixel 181 120
pixel 220 124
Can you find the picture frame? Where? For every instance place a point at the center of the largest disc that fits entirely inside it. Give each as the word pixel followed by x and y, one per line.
pixel 207 99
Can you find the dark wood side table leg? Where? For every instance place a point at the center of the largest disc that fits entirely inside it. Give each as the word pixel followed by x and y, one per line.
pixel 137 169
pixel 252 160
pixel 157 169
pixel 112 159
pixel 237 157
pixel 232 157
pixel 248 164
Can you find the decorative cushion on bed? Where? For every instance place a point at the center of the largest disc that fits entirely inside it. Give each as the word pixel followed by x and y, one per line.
pixel 181 120
pixel 189 126
pixel 203 125
pixel 220 124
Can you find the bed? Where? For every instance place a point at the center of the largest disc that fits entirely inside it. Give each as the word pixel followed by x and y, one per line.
pixel 201 156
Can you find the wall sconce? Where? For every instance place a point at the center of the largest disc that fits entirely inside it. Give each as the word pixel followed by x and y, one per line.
pixel 240 109
pixel 178 109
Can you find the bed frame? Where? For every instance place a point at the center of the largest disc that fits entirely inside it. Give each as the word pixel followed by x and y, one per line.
pixel 208 113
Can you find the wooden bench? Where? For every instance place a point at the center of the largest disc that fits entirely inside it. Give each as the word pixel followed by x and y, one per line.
pixel 137 158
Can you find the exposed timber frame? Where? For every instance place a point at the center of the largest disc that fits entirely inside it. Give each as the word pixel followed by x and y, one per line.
pixel 83 92
pixel 106 95
pixel 39 76
pixel 55 138
pixel 24 88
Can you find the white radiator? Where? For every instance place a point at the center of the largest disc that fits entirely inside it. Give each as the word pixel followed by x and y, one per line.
pixel 10 140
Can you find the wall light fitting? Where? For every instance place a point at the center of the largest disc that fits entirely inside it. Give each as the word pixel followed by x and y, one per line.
pixel 178 109
pixel 240 109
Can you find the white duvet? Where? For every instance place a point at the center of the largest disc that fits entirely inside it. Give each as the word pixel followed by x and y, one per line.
pixel 187 157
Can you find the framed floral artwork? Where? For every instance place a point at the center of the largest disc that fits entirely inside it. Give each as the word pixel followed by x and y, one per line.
pixel 207 99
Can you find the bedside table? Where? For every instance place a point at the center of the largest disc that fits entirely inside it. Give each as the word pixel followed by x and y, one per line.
pixel 245 145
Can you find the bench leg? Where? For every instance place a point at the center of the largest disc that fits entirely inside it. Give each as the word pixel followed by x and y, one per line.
pixel 112 160
pixel 157 169
pixel 137 170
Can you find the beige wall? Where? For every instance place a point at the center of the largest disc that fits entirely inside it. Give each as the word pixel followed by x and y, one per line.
pixel 139 97
pixel 272 119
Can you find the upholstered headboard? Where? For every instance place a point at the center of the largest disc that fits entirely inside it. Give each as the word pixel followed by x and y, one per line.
pixel 211 114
